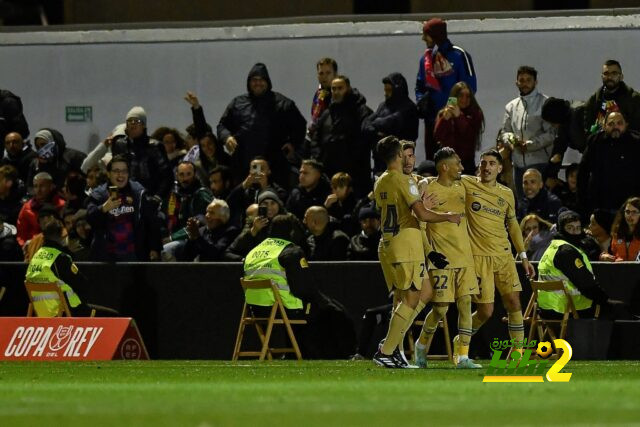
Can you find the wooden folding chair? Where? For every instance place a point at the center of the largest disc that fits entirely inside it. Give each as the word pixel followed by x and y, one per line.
pixel 48 291
pixel 442 324
pixel 247 318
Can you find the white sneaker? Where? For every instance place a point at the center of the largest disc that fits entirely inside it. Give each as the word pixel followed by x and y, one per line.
pixel 420 355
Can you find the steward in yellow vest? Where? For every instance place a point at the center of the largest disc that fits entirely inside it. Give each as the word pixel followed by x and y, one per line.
pixel 566 259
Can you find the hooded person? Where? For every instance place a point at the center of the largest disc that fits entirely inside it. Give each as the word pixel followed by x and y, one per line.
pixel 262 122
pixel 567 259
pixel 53 157
pixel 568 118
pixel 149 164
pixel 397 115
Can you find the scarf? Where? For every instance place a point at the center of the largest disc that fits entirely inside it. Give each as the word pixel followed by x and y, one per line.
pixel 429 73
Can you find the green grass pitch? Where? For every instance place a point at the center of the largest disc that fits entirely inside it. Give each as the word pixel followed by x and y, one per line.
pixel 309 393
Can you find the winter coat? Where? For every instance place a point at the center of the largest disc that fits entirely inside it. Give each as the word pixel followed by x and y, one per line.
pixel 211 244
pixel 331 245
pixel 64 161
pixel 461 133
pixel 262 125
pixel 191 202
pixel 363 247
pixel 22 162
pixel 300 199
pixel 28 225
pixel 626 100
pixel 545 204
pixel 11 117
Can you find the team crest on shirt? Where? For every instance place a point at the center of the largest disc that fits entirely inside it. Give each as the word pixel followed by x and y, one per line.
pixel 413 188
pixel 476 206
pixel 501 201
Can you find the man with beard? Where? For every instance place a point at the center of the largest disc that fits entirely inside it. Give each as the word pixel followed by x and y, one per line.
pixel 524 134
pixel 609 172
pixel 18 154
pixel 614 95
pixel 566 259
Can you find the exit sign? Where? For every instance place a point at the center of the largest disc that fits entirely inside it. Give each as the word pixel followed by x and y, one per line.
pixel 79 113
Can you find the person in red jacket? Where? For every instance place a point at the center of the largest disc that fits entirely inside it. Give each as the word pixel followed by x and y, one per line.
pixel 625 232
pixel 459 125
pixel 44 192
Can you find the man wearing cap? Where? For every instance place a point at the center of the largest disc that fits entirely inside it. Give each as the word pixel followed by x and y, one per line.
pixel 440 67
pixel 397 115
pixel 53 157
pixel 18 154
pixel 364 246
pixel 44 192
pixel 566 259
pixel 147 157
pixel 269 205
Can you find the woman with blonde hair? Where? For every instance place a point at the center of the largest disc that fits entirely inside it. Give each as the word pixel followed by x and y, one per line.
pixel 537 235
pixel 625 233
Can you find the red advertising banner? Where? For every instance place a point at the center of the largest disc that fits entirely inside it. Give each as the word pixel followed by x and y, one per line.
pixel 70 338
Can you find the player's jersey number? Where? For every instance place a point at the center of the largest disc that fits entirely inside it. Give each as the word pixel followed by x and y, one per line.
pixel 440 281
pixel 391 220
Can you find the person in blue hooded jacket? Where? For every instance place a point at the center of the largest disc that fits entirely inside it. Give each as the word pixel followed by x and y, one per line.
pixel 441 66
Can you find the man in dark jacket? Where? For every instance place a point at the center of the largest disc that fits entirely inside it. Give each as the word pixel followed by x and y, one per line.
pixel 18 154
pixel 11 193
pixel 364 246
pixel 262 123
pixel 326 241
pixel 397 115
pixel 148 159
pixel 609 172
pixel 536 198
pixel 312 190
pixel 53 157
pixel 211 240
pixel 11 117
pixel 614 95
pixel 124 218
pixel 339 142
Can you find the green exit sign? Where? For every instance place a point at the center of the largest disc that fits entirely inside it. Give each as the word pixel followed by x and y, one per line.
pixel 79 113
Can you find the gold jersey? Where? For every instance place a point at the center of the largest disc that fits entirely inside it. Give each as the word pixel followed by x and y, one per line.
pixel 492 219
pixel 401 240
pixel 448 238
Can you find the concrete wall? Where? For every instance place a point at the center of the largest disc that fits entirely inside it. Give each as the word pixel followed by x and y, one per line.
pixel 112 70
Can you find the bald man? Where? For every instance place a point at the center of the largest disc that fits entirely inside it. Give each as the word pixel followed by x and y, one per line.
pixel 537 199
pixel 326 241
pixel 18 154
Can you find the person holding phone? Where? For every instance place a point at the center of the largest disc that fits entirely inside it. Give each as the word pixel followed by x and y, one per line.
pixel 460 124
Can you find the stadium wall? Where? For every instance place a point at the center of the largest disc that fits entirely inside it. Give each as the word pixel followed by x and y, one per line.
pixel 114 69
pixel 182 316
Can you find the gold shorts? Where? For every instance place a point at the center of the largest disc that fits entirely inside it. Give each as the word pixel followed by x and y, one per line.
pixel 402 275
pixel 452 283
pixel 496 272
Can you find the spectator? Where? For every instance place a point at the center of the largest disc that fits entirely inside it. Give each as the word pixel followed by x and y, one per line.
pixel 364 246
pixel 11 193
pixel 95 177
pixel 189 199
pixel 524 134
pixel 567 191
pixel 210 241
pixel 45 214
pixel 173 144
pixel 537 199
pixel 262 123
pixel 427 168
pixel 537 236
pixel 73 191
pixel 74 244
pixel 613 96
pixel 270 205
pixel 9 247
pixel 341 203
pixel 397 115
pixel 312 189
pixel 326 241
pixel 101 155
pixel 19 154
pixel 44 192
pixel 339 143
pixel 568 119
pixel 149 165
pixel 625 233
pixel 609 172
pixel 84 234
pixel 460 124
pixel 221 182
pixel 124 219
pixel 53 157
pixel 439 69
pixel 327 70
pixel 11 117
pixel 600 224
pixel 257 181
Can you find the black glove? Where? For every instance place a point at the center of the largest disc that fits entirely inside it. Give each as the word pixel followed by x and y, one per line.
pixel 438 259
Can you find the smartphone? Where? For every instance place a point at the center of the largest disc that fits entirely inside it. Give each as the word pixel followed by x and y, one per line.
pixel 262 211
pixel 452 100
pixel 113 191
pixel 256 168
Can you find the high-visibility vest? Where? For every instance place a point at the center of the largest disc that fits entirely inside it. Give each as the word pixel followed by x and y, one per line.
pixel 556 300
pixel 262 263
pixel 39 271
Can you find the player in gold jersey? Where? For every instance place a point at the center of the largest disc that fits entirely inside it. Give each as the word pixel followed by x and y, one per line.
pixel 457 281
pixel 401 252
pixel 492 220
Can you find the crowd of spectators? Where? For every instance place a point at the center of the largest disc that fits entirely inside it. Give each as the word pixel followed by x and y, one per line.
pixel 208 193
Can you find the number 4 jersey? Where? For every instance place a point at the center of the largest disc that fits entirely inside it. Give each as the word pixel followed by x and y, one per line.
pixel 401 240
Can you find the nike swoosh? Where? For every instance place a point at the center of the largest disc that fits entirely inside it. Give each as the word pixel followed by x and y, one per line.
pixel 441 203
pixel 472 289
pixel 515 286
pixel 476 194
